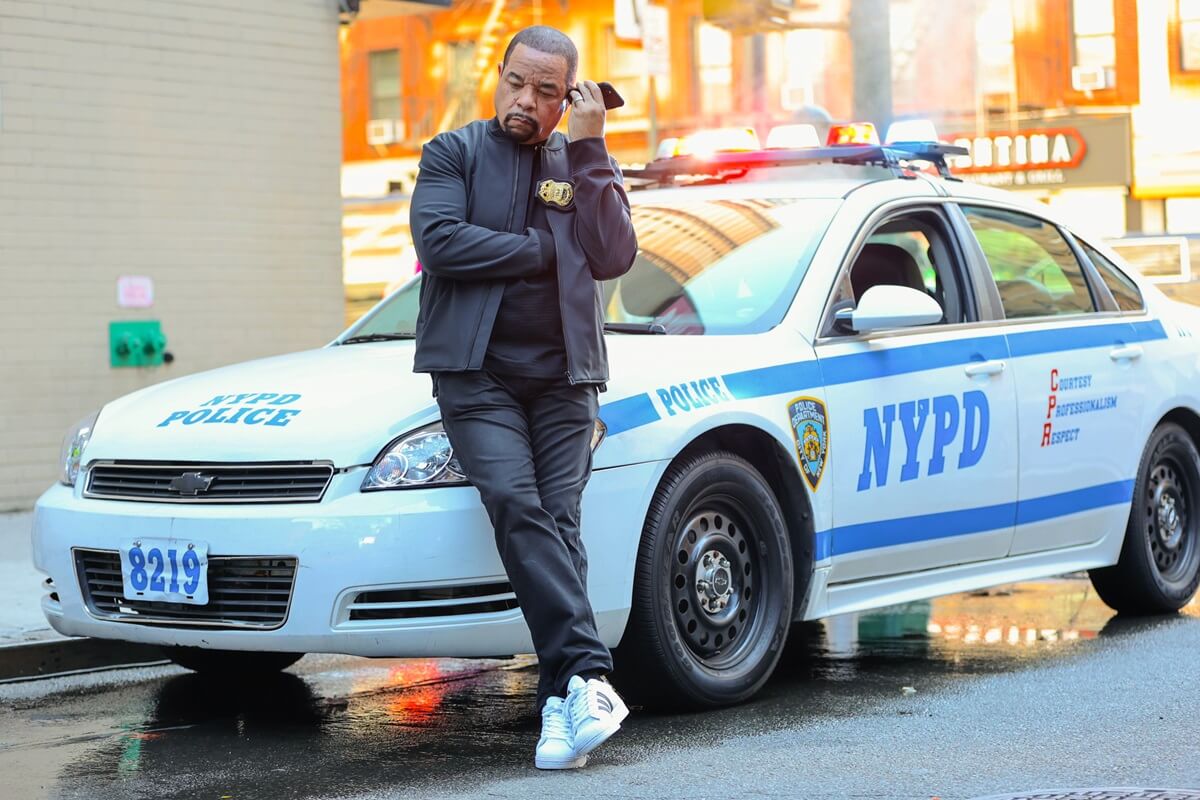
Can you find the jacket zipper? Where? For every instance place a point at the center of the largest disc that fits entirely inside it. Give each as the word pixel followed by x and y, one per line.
pixel 562 316
pixel 508 227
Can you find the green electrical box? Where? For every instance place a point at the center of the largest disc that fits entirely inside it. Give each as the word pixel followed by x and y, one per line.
pixel 138 343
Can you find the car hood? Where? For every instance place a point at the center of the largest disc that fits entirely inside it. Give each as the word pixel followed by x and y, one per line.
pixel 340 404
pixel 345 403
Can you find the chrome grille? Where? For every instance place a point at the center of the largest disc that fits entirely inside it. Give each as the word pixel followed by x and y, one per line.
pixel 165 482
pixel 243 592
pixel 432 601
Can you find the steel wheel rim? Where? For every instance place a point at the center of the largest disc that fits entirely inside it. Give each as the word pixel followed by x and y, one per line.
pixel 718 622
pixel 1170 519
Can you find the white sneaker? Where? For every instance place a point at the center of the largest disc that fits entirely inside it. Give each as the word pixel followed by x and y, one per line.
pixel 554 749
pixel 594 711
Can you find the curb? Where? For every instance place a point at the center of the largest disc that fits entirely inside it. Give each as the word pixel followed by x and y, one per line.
pixel 38 659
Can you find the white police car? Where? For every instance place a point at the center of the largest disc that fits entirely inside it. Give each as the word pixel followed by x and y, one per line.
pixel 834 388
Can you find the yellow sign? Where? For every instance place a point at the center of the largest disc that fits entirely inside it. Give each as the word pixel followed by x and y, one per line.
pixel 556 193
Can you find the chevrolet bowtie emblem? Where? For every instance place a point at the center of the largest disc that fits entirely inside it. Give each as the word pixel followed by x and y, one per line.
pixel 191 483
pixel 556 193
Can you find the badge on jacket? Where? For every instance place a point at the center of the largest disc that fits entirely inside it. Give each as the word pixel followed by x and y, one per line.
pixel 558 194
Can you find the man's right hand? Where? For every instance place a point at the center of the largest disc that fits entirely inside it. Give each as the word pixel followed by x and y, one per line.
pixel 587 111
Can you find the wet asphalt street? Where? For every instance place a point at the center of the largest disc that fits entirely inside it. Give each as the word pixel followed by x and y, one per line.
pixel 1034 686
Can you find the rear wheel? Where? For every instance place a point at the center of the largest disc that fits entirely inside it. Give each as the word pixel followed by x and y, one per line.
pixel 713 588
pixel 230 662
pixel 1159 569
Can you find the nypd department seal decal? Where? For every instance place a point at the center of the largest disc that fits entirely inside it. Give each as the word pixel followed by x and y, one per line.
pixel 810 426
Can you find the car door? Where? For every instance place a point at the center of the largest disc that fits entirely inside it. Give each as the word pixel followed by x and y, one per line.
pixel 1079 377
pixel 919 417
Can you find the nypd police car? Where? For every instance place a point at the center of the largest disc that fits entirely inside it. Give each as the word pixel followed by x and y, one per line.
pixel 842 379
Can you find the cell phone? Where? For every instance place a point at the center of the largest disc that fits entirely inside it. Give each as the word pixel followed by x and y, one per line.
pixel 610 96
pixel 612 99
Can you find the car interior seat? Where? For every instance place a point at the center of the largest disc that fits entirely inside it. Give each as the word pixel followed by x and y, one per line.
pixel 881 264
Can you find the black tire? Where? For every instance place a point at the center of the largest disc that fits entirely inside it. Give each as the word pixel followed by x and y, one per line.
pixel 713 517
pixel 1159 569
pixel 230 662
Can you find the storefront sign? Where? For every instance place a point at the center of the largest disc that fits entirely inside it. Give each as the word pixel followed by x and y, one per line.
pixel 1074 151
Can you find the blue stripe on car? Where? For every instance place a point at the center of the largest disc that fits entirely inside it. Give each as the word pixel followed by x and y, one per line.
pixel 636 411
pixel 845 539
pixel 632 412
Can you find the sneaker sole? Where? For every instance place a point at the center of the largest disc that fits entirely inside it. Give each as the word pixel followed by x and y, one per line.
pixel 596 739
pixel 547 763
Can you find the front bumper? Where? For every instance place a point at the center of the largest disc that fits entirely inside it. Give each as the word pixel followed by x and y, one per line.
pixel 348 543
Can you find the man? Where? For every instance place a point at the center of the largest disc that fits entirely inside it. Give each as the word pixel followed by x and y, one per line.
pixel 514 225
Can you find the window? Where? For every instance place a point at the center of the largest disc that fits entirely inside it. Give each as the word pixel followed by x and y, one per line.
pixel 909 250
pixel 1189 35
pixel 714 68
pixel 994 44
pixel 1123 289
pixel 462 82
pixel 1093 28
pixel 1034 267
pixel 384 76
pixel 627 71
pixel 720 266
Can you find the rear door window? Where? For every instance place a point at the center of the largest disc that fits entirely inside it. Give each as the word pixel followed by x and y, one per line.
pixel 1034 267
pixel 1124 290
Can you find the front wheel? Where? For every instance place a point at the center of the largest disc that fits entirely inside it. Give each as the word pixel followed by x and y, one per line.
pixel 712 599
pixel 1159 569
pixel 230 662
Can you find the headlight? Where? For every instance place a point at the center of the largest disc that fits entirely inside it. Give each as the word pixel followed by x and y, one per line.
pixel 425 458
pixel 72 448
pixel 420 458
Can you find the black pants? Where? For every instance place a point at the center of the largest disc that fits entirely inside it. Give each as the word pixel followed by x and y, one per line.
pixel 525 444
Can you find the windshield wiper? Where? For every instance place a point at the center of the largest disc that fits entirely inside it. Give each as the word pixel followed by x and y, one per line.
pixel 377 337
pixel 635 327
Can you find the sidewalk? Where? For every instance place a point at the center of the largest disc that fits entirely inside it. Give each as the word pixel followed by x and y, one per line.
pixel 28 645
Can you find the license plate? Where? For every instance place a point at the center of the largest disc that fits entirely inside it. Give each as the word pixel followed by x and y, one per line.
pixel 165 571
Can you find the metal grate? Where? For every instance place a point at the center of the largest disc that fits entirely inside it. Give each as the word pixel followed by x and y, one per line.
pixel 165 482
pixel 243 592
pixel 433 601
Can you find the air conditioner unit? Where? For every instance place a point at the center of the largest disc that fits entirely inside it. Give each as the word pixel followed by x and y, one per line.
pixel 1091 79
pixel 381 132
pixel 793 97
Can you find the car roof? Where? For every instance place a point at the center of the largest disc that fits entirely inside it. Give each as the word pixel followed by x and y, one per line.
pixel 817 182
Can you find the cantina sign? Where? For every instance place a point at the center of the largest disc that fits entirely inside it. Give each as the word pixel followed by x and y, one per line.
pixel 1077 150
pixel 1028 157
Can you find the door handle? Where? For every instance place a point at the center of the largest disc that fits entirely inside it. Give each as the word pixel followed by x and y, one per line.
pixel 984 368
pixel 1131 352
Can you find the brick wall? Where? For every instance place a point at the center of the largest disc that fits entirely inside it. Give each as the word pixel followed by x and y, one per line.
pixel 194 141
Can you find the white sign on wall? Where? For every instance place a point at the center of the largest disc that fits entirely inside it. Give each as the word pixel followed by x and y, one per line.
pixel 135 291
pixel 628 16
pixel 656 40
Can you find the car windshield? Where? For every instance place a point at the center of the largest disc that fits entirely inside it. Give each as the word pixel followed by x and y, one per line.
pixel 712 266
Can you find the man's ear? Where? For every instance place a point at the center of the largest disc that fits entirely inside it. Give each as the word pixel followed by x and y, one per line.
pixel 499 70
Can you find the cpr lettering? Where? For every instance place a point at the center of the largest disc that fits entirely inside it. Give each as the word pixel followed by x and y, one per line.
pixel 692 396
pixel 951 416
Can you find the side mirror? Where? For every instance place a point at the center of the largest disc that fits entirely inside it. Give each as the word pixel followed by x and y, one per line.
pixel 883 307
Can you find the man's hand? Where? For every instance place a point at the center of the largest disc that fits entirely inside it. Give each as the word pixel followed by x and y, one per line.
pixel 587 111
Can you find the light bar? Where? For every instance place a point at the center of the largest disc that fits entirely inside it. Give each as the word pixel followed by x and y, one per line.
pixel 793 137
pixel 706 143
pixel 911 130
pixel 852 133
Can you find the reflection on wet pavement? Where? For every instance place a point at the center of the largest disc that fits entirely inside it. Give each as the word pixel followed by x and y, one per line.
pixel 336 726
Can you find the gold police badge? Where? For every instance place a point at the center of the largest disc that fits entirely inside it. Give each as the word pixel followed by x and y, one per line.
pixel 559 194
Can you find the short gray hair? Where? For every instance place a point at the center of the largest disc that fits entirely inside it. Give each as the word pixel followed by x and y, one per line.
pixel 545 39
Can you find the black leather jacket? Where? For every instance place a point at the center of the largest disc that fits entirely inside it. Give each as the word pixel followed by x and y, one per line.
pixel 469 241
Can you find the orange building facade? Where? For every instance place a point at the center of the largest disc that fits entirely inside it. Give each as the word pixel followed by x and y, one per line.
pixel 1089 105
